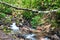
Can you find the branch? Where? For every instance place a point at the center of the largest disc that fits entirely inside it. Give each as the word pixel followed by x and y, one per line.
pixel 35 11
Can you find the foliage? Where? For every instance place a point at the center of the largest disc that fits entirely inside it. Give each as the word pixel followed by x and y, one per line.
pixel 36 20
pixel 47 4
pixel 6 30
pixel 58 14
pixel 27 15
pixel 58 18
pixel 2 15
pixel 6 10
pixel 42 5
pixel 7 21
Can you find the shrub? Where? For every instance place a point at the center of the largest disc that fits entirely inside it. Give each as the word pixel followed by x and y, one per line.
pixel 2 15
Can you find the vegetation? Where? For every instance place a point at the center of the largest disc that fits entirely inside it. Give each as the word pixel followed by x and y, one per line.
pixel 31 11
pixel 28 15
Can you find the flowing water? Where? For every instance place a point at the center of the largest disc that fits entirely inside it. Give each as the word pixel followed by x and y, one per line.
pixel 26 36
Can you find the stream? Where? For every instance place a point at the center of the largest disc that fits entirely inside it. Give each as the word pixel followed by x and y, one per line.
pixel 31 36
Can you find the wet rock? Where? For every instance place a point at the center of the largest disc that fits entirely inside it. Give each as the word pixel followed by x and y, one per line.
pixel 30 36
pixel 20 36
pixel 55 37
pixel 44 39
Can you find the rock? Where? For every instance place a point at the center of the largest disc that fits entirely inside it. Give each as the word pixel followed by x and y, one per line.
pixel 39 28
pixel 21 39
pixel 55 37
pixel 3 36
pixel 30 36
pixel 44 38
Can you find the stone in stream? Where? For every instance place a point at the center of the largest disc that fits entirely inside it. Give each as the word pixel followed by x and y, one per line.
pixel 30 36
pixel 44 38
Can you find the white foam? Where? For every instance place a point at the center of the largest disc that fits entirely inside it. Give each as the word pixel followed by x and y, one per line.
pixel 14 27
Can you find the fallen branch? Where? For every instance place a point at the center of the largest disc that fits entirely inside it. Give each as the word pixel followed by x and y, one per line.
pixel 35 11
